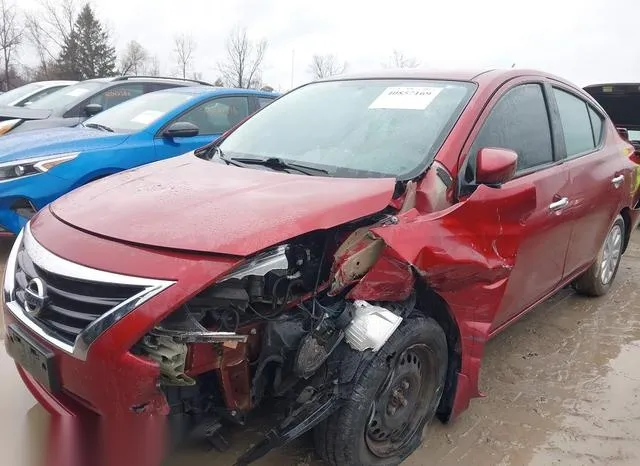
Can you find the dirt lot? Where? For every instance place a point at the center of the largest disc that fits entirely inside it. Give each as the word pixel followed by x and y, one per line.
pixel 562 385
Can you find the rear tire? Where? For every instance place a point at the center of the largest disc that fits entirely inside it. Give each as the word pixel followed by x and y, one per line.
pixel 597 280
pixel 393 399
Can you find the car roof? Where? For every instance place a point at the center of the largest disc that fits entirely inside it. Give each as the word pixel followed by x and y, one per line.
pixel 199 90
pixel 480 76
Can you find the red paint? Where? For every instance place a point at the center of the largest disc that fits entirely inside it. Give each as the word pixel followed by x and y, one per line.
pixel 221 209
pixel 491 256
pixel 495 166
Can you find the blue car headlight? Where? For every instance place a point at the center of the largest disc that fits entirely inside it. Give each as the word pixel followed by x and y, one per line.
pixel 28 167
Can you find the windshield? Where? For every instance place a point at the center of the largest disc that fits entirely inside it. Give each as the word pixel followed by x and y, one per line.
pixel 355 128
pixel 67 95
pixel 18 93
pixel 138 113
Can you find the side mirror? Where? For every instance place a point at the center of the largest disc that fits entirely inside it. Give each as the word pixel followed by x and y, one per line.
pixel 624 133
pixel 92 109
pixel 181 129
pixel 495 166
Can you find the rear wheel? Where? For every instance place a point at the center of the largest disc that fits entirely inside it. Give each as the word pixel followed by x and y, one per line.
pixel 597 280
pixel 392 401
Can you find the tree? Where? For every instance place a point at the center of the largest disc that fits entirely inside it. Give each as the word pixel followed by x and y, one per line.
pixel 184 49
pixel 87 52
pixel 242 67
pixel 219 82
pixel 133 59
pixel 323 66
pixel 10 39
pixel 47 29
pixel 153 66
pixel 399 60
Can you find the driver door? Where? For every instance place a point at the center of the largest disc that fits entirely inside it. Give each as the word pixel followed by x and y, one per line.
pixel 519 119
pixel 212 118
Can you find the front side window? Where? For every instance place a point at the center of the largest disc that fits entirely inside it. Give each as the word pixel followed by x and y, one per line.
pixel 117 94
pixel 576 123
pixel 137 114
pixel 218 115
pixel 356 128
pixel 520 122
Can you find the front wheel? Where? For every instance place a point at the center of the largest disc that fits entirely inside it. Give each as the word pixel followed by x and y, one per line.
pixel 395 396
pixel 597 280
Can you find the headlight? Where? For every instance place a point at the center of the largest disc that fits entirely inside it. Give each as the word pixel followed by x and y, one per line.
pixel 27 167
pixel 8 125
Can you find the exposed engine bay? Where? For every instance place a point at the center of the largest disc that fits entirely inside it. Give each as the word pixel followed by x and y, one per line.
pixel 276 328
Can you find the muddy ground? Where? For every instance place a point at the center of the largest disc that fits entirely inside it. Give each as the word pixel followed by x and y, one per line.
pixel 562 385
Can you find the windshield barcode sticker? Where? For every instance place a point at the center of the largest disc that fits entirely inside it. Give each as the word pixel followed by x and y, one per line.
pixel 407 98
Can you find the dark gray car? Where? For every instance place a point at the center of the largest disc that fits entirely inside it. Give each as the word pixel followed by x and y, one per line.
pixel 74 104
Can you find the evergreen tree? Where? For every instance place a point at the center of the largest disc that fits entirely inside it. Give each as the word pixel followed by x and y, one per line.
pixel 87 52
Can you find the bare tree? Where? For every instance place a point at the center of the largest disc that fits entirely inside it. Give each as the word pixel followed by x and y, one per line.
pixel 153 66
pixel 49 27
pixel 10 38
pixel 242 67
pixel 133 59
pixel 185 47
pixel 323 66
pixel 399 60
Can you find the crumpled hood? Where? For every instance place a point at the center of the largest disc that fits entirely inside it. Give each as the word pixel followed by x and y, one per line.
pixel 191 204
pixel 32 144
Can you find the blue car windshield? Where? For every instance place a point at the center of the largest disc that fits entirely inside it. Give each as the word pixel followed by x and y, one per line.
pixel 138 113
pixel 355 128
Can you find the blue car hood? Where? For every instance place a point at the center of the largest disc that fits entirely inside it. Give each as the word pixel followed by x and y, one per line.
pixel 39 143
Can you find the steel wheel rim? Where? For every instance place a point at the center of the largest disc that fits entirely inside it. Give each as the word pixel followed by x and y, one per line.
pixel 402 402
pixel 611 253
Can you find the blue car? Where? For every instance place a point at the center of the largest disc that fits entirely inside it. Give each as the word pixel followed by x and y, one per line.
pixel 38 166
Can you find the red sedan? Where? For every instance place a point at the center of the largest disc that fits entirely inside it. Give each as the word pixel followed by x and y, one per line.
pixel 345 253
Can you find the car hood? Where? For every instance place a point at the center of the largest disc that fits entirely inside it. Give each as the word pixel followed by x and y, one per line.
pixel 190 204
pixel 40 143
pixel 23 113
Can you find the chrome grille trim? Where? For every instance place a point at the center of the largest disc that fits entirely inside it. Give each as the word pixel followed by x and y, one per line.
pixel 54 264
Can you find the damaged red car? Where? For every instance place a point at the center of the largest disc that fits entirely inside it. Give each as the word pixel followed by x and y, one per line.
pixel 344 254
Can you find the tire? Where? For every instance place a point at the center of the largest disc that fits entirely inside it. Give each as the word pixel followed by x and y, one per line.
pixel 596 281
pixel 417 352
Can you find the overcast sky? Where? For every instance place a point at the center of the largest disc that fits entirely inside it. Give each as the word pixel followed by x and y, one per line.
pixel 585 41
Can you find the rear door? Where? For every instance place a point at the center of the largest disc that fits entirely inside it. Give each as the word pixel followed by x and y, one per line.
pixel 519 120
pixel 597 173
pixel 212 118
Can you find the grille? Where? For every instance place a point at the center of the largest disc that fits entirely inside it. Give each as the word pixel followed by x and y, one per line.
pixel 70 304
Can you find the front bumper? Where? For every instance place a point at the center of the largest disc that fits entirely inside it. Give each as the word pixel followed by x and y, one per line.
pixel 107 382
pixel 19 195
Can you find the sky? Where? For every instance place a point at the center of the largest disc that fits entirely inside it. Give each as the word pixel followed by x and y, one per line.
pixel 586 41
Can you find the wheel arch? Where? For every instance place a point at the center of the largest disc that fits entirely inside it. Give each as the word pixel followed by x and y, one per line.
pixel 431 304
pixel 626 216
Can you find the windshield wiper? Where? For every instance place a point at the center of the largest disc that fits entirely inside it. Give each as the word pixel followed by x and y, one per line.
pixel 224 157
pixel 279 164
pixel 98 126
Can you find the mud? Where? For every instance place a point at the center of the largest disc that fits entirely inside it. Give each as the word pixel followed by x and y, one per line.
pixel 562 385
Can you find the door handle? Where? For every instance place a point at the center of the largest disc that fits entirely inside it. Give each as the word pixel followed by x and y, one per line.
pixel 559 205
pixel 617 181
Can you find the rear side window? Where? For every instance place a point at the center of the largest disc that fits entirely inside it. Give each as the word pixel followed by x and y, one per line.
pixel 576 123
pixel 520 122
pixel 264 101
pixel 597 122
